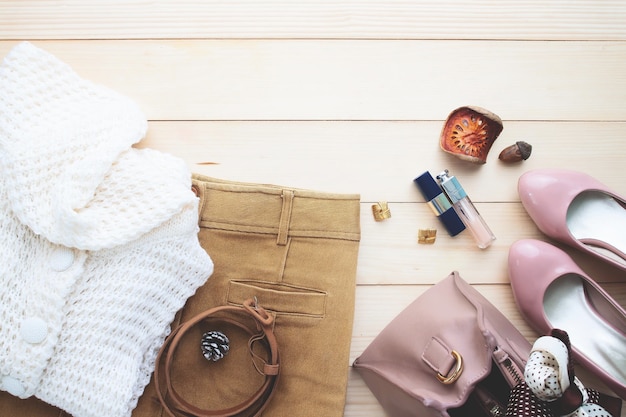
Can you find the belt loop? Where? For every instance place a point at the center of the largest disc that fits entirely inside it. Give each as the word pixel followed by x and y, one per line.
pixel 198 189
pixel 285 217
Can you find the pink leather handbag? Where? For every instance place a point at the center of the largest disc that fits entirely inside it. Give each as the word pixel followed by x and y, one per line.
pixel 449 353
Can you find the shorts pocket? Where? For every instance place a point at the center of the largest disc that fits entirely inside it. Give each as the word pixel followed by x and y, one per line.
pixel 279 297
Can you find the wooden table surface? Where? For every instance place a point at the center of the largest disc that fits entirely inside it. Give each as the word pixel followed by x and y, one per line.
pixel 350 96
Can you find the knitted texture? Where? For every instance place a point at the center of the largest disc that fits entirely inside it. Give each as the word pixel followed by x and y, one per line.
pixel 98 240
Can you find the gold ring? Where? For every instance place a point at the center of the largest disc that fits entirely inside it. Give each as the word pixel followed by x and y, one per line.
pixel 381 211
pixel 456 373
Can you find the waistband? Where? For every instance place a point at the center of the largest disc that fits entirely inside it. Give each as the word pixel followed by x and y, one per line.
pixel 275 209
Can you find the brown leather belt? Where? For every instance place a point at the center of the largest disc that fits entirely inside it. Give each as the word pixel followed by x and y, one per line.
pixel 173 402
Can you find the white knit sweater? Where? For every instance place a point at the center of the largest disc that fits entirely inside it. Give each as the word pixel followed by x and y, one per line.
pixel 98 240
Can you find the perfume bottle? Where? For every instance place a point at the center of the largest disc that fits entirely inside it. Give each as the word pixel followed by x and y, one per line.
pixel 466 210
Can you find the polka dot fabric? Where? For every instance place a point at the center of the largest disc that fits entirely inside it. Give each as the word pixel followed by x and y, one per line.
pixel 523 403
pixel 546 371
pixel 546 379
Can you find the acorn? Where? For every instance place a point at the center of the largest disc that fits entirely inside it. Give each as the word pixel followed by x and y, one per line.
pixel 519 151
pixel 469 132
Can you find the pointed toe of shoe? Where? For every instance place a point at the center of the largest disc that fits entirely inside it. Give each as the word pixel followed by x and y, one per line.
pixel 533 266
pixel 548 196
pixel 551 291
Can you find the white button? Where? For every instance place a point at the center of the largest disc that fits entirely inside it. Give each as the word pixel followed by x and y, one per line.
pixel 34 330
pixel 13 386
pixel 62 258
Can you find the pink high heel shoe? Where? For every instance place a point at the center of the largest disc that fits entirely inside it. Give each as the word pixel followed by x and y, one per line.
pixel 578 210
pixel 551 291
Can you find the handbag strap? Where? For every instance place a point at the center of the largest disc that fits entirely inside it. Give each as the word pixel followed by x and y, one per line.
pixel 174 403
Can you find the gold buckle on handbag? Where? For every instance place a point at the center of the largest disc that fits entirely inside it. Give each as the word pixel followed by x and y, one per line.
pixel 456 373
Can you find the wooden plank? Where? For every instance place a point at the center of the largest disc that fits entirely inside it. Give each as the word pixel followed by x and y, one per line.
pixel 458 19
pixel 356 80
pixel 389 252
pixel 379 160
